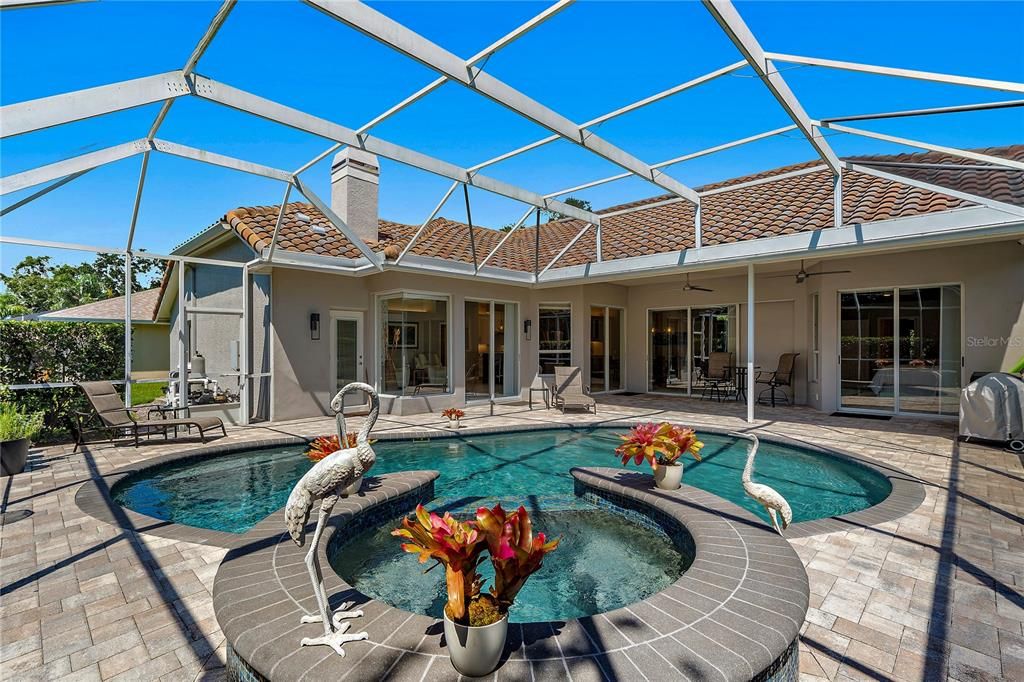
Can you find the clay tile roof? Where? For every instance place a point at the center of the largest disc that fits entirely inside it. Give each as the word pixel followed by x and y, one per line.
pixel 143 309
pixel 664 224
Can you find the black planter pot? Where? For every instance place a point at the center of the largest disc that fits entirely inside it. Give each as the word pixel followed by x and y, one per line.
pixel 13 455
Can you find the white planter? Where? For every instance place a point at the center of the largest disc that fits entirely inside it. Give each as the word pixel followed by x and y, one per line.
pixel 454 424
pixel 354 488
pixel 475 651
pixel 668 477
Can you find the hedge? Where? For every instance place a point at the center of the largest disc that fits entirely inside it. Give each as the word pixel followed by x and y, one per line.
pixel 35 352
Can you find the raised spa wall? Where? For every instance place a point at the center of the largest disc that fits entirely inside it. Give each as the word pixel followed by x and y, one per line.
pixel 735 614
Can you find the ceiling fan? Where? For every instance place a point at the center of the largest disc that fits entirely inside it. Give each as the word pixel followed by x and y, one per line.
pixel 802 275
pixel 693 287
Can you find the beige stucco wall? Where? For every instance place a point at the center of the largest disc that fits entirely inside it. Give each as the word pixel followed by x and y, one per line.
pixel 992 276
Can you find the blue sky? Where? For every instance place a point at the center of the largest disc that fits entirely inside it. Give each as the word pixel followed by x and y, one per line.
pixel 592 58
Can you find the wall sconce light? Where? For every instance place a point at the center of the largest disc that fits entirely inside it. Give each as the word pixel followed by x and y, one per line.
pixel 314 326
pixel 527 324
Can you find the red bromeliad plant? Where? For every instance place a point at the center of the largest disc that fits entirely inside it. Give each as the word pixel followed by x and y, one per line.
pixel 660 444
pixel 516 553
pixel 453 413
pixel 454 544
pixel 325 445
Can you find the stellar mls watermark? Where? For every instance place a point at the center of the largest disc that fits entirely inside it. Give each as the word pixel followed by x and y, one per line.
pixel 995 341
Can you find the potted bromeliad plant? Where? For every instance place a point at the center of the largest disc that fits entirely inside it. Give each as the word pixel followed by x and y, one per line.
pixel 476 622
pixel 453 414
pixel 663 446
pixel 325 445
pixel 17 429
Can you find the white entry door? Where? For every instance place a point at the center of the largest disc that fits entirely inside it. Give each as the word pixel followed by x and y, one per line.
pixel 347 355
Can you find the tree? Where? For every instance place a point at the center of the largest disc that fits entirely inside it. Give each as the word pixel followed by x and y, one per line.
pixel 35 285
pixel 572 201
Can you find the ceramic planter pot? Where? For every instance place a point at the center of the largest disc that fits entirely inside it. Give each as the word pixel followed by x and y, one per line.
pixel 668 477
pixel 13 455
pixel 354 488
pixel 475 651
pixel 454 424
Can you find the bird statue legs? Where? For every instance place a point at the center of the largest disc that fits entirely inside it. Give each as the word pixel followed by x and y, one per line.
pixel 335 630
pixel 775 519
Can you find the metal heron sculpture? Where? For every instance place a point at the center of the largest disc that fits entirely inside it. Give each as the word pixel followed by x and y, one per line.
pixel 769 498
pixel 324 483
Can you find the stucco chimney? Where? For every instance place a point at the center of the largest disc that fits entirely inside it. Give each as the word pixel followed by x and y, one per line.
pixel 355 177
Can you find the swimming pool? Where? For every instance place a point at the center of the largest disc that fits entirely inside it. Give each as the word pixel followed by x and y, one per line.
pixel 233 492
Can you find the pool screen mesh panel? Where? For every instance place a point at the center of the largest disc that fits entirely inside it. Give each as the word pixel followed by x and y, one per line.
pixel 166 88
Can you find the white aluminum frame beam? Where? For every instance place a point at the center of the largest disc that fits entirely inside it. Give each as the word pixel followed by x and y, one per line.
pixel 497 45
pixel 280 220
pixel 214 159
pixel 135 210
pixel 679 159
pixel 565 249
pixel 241 100
pixel 1012 209
pixel 423 226
pixel 519 223
pixel 983 106
pixel 657 97
pixel 46 112
pixel 952 151
pixel 44 191
pixel 736 29
pixel 400 38
pixel 339 224
pixel 76 164
pixel 970 81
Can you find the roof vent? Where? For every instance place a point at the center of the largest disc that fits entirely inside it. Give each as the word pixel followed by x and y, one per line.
pixel 319 229
pixel 302 217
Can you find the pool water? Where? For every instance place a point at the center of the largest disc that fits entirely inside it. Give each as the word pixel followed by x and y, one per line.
pixel 602 562
pixel 234 492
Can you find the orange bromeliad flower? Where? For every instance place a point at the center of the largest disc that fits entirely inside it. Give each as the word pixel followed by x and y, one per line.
pixel 325 445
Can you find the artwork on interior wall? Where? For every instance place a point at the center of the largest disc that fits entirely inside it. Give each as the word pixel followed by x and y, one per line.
pixel 403 334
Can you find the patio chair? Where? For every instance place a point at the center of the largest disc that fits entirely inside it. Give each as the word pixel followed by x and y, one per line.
pixel 118 419
pixel 718 376
pixel 568 390
pixel 779 380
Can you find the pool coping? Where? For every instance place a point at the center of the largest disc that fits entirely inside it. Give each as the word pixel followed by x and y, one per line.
pixel 93 497
pixel 733 615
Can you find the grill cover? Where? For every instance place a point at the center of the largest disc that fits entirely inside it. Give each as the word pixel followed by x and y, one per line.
pixel 993 408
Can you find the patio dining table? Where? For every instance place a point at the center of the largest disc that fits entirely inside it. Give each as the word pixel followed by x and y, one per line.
pixel 740 372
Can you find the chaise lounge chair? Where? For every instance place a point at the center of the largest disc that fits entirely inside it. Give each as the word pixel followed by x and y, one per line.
pixel 569 391
pixel 117 419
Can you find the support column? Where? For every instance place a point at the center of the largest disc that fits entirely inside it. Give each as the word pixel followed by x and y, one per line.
pixel 182 339
pixel 750 344
pixel 244 350
pixel 128 329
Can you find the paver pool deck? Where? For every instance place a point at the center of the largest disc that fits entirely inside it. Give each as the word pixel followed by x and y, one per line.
pixel 933 594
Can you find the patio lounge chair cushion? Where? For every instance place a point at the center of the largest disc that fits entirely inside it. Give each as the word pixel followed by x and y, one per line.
pixel 111 410
pixel 568 389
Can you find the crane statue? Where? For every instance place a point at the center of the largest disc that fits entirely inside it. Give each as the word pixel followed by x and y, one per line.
pixel 769 498
pixel 325 483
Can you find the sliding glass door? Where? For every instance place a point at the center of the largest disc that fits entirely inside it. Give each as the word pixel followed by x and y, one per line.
pixel 491 351
pixel 681 343
pixel 900 350
pixel 606 344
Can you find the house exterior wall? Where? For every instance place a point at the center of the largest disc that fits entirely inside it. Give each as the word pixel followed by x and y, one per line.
pixel 214 335
pixel 991 276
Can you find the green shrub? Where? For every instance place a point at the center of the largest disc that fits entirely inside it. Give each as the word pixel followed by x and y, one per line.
pixel 35 352
pixel 16 423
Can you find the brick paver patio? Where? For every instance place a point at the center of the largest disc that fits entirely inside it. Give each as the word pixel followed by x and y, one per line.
pixel 934 594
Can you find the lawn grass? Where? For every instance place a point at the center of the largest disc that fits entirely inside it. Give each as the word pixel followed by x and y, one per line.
pixel 143 394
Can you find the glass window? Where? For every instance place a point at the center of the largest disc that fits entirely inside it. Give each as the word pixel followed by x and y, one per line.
pixel 669 334
pixel 414 345
pixel 555 337
pixel 815 341
pixel 491 374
